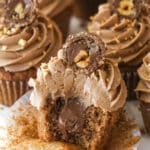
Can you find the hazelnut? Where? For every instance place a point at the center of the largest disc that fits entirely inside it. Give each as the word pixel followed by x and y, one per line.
pixel 22 42
pixel 4 48
pixel 82 59
pixel 83 64
pixel 126 7
pixel 19 9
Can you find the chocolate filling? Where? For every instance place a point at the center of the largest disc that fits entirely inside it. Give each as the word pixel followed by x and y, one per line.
pixel 71 122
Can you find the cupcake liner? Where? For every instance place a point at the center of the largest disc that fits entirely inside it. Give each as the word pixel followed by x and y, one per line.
pixel 145 109
pixel 63 20
pixel 10 91
pixel 131 79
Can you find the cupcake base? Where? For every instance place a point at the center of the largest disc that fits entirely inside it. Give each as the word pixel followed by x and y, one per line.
pixel 14 85
pixel 145 109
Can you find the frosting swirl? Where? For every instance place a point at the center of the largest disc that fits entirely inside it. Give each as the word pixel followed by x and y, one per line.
pixel 103 88
pixel 24 47
pixel 52 7
pixel 126 40
pixel 143 88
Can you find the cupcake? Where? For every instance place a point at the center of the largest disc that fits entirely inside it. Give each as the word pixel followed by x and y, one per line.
pixel 123 26
pixel 143 91
pixel 85 8
pixel 27 38
pixel 79 96
pixel 58 10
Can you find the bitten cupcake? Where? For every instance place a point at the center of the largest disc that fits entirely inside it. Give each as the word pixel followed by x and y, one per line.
pixel 58 10
pixel 123 26
pixel 27 38
pixel 79 96
pixel 143 91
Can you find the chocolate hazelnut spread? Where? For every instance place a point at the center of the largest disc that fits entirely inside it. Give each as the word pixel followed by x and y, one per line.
pixel 71 117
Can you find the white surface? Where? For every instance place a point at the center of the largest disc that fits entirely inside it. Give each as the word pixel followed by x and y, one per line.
pixel 133 111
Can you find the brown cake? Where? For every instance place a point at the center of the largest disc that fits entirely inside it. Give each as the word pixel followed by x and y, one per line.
pixel 123 26
pixel 79 95
pixel 27 38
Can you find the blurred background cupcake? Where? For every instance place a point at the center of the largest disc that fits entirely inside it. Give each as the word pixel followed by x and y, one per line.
pixel 123 26
pixel 58 10
pixel 143 91
pixel 85 8
pixel 27 38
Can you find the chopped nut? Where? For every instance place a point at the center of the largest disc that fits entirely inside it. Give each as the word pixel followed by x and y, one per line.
pixel 4 47
pixel 126 7
pixel 19 9
pixel 117 41
pixel 30 63
pixel 5 30
pixel 84 63
pixel 44 66
pixel 81 56
pixel 50 26
pixel 22 42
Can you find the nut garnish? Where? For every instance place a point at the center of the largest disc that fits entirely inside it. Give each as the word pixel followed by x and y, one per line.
pixel 82 59
pixel 19 10
pixel 126 7
pixel 4 48
pixel 22 42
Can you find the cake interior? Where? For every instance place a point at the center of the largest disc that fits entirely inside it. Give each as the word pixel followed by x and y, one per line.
pixel 69 121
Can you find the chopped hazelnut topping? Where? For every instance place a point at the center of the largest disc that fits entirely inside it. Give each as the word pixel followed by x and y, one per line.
pixel 50 26
pixel 19 9
pixel 81 56
pixel 22 42
pixel 4 47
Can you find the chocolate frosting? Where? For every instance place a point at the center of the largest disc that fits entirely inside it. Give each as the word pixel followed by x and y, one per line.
pixel 53 7
pixel 24 47
pixel 126 40
pixel 143 88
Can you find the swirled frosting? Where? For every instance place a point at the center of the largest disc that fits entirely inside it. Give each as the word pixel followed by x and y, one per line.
pixel 24 47
pixel 127 40
pixel 143 87
pixel 104 88
pixel 52 7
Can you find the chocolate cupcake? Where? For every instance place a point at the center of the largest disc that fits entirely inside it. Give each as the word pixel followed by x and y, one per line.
pixel 58 10
pixel 27 38
pixel 85 8
pixel 123 26
pixel 78 95
pixel 143 91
